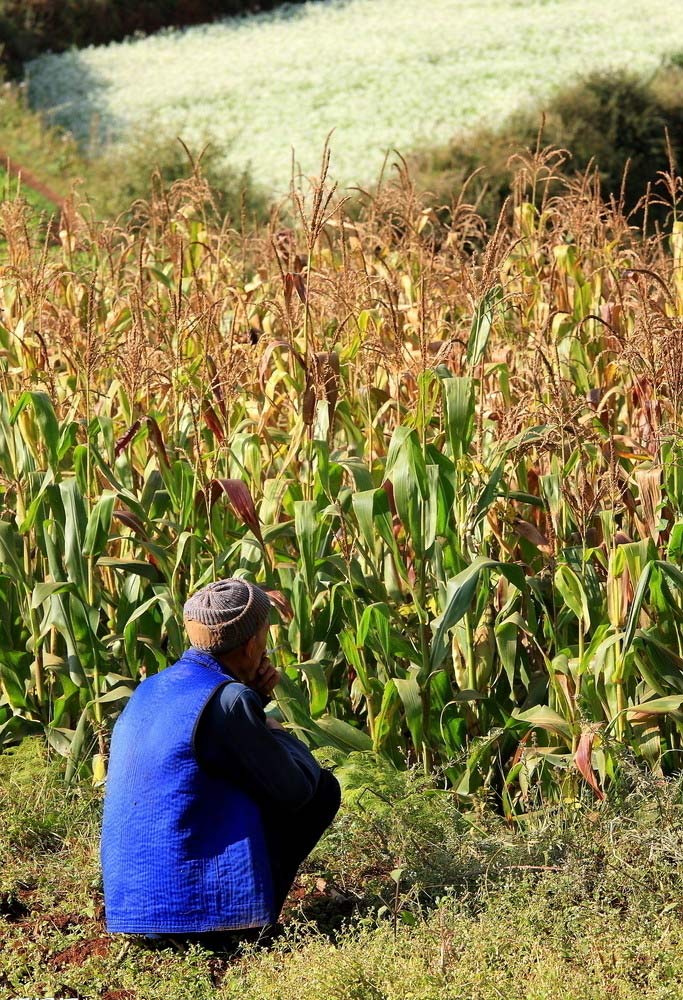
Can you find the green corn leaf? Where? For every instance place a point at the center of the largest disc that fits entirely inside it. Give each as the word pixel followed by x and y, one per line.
pixel 305 515
pixel 368 505
pixel 657 706
pixel 458 396
pixel 407 470
pixel 68 438
pixel 344 735
pixel 460 594
pixel 488 495
pixel 74 525
pixel 441 490
pixel 347 642
pixel 431 508
pixel 44 412
pixel 572 593
pixel 376 622
pixel 360 473
pixel 291 702
pixel 103 426
pixel 137 566
pixel 98 526
pixel 551 489
pixel 7 440
pixel 636 607
pixel 507 636
pixel 482 321
pixel 171 620
pixel 131 628
pixel 10 542
pixel 598 654
pixel 522 497
pixel 36 504
pixel 317 686
pixel 673 572
pixel 675 547
pixel 385 728
pixel 59 738
pixel 300 631
pixel 405 451
pixel 13 688
pixel 542 717
pixel 409 693
pixel 659 665
pixel 445 725
pixel 84 619
pixel 116 694
pixel 59 615
pixel 161 276
pixel 44 591
pixel 129 499
pixel 371 508
pixel 77 746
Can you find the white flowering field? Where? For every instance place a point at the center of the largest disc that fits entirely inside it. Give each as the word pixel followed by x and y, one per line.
pixel 382 73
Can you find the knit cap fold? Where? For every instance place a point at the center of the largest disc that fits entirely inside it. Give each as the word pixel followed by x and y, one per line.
pixel 224 615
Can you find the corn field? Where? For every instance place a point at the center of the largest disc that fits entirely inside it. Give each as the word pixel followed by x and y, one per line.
pixel 455 459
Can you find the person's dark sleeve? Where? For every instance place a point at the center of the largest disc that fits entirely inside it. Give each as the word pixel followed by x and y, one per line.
pixel 232 741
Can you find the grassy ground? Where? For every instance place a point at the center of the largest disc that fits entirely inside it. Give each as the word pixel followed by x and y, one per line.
pixel 11 187
pixel 49 154
pixel 407 898
pixel 52 166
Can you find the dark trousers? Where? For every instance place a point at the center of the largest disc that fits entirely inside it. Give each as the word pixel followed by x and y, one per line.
pixel 292 836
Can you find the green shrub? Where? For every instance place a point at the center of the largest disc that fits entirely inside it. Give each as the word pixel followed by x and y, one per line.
pixel 610 120
pixel 617 119
pixel 117 178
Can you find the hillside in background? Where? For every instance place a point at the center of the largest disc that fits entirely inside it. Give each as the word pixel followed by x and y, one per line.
pixel 372 70
pixel 30 27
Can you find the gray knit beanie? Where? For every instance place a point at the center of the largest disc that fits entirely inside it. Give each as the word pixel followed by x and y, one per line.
pixel 226 614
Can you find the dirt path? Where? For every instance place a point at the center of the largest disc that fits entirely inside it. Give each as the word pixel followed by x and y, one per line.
pixel 30 180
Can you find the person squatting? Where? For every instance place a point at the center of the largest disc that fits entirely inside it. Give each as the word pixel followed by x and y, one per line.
pixel 210 804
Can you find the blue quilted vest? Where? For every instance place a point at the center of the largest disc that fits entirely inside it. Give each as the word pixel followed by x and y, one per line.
pixel 181 852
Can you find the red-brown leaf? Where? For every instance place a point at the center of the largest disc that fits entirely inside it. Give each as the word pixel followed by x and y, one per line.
pixel 532 534
pixel 308 402
pixel 216 387
pixel 131 521
pixel 279 600
pixel 212 422
pixel 388 488
pixel 294 281
pixel 583 761
pixel 126 438
pixel 239 498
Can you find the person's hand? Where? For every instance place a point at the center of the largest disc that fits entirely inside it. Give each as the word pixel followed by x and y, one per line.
pixel 274 724
pixel 266 678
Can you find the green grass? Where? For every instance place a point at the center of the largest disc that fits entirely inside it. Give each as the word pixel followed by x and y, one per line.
pixel 111 182
pixel 48 153
pixel 582 902
pixel 12 188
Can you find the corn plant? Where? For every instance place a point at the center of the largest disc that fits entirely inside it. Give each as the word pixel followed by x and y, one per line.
pixel 456 468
